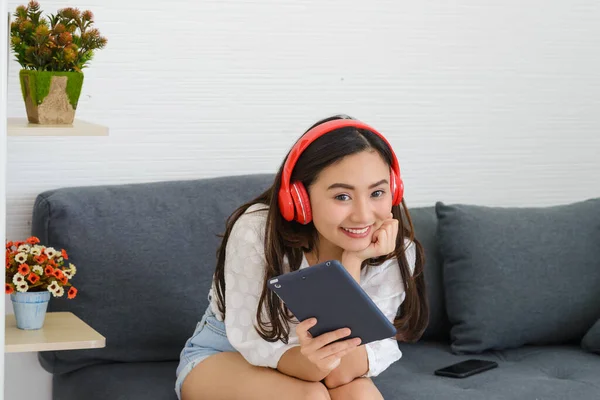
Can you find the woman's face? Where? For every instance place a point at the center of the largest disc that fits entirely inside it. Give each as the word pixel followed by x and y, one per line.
pixel 350 200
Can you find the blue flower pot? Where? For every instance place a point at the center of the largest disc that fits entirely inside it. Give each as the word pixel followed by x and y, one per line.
pixel 30 308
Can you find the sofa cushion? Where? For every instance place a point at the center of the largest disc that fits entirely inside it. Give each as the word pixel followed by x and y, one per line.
pixel 530 372
pixel 118 381
pixel 591 340
pixel 145 254
pixel 549 373
pixel 516 276
pixel 425 225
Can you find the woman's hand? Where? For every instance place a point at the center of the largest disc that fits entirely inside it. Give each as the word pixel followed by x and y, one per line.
pixel 383 242
pixel 321 351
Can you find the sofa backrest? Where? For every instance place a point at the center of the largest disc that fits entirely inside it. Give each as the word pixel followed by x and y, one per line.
pixel 145 256
pixel 425 224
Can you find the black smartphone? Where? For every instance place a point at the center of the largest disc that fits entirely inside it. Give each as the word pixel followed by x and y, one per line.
pixel 466 368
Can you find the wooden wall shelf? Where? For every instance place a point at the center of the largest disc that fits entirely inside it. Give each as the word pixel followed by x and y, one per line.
pixel 22 127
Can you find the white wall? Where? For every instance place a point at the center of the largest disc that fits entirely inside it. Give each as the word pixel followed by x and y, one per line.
pixel 3 81
pixel 490 102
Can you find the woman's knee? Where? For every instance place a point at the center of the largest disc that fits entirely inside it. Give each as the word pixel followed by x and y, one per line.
pixel 316 391
pixel 360 388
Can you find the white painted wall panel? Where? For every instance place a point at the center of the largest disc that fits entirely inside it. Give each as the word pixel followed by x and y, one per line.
pixel 3 82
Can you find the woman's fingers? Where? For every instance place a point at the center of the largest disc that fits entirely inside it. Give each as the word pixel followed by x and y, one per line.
pixel 395 226
pixel 326 338
pixel 302 329
pixel 338 349
pixel 326 351
pixel 333 361
pixel 386 237
pixel 381 242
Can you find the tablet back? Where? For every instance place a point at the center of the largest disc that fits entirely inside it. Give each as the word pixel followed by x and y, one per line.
pixel 329 293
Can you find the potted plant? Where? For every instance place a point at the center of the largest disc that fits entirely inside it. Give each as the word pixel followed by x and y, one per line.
pixel 33 273
pixel 52 52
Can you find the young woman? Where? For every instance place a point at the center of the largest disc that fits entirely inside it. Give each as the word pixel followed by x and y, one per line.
pixel 338 195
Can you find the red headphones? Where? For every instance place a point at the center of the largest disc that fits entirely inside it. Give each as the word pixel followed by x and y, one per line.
pixel 294 203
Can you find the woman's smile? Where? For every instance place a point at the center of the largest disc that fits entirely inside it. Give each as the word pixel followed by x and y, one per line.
pixel 357 233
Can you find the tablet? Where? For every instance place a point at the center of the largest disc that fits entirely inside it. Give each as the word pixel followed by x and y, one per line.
pixel 329 293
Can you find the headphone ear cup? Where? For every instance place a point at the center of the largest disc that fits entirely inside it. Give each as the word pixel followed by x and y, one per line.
pixel 397 188
pixel 303 213
pixel 286 205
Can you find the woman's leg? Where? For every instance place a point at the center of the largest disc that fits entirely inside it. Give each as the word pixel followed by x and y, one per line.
pixel 358 389
pixel 228 376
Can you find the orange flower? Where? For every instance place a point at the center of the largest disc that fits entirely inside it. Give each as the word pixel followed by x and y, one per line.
pixel 33 278
pixel 17 244
pixel 40 259
pixel 24 269
pixel 8 288
pixel 64 254
pixel 52 263
pixel 64 280
pixel 9 244
pixel 72 293
pixel 49 270
pixel 33 240
pixel 59 274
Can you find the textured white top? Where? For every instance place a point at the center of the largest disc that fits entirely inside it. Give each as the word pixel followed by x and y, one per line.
pixel 244 274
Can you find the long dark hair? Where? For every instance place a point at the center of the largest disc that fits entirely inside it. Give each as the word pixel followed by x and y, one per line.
pixel 291 240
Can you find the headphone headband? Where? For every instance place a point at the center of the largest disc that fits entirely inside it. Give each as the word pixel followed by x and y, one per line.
pixel 286 197
pixel 316 133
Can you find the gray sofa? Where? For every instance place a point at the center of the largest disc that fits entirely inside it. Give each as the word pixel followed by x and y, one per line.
pixel 517 286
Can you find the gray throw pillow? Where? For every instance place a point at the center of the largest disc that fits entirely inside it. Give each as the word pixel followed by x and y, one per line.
pixel 515 276
pixel 591 340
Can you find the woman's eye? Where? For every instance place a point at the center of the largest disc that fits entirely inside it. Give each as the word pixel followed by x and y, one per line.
pixel 342 197
pixel 378 193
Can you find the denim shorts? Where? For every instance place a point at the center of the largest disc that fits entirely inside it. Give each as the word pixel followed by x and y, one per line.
pixel 208 338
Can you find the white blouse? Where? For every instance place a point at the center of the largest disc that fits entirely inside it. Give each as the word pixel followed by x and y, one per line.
pixel 244 272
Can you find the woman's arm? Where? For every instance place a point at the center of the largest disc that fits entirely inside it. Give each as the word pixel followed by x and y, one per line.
pixel 244 273
pixel 386 289
pixel 293 363
pixel 353 365
pixel 317 356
